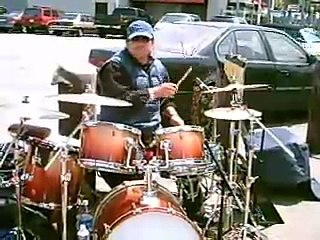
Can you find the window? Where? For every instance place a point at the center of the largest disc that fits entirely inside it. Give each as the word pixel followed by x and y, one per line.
pixel 83 18
pixel 141 13
pixel 227 46
pixel 124 12
pixel 55 13
pixel 3 10
pixel 32 12
pixel 46 13
pixel 284 49
pixel 101 8
pixel 250 45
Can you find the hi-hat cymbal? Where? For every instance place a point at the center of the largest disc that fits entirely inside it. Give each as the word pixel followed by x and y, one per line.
pixel 236 86
pixel 232 114
pixel 91 99
pixel 30 111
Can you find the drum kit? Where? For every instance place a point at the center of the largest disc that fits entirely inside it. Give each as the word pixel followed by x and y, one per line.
pixel 49 175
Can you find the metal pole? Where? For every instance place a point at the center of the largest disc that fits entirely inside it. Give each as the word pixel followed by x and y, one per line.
pixel 259 13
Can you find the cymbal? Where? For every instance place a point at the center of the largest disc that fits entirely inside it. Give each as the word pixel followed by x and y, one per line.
pixel 232 114
pixel 236 86
pixel 91 99
pixel 30 111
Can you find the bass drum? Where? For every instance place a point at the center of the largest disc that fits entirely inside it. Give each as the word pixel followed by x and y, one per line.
pixel 129 211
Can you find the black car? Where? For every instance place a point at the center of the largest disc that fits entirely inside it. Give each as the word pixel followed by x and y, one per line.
pixel 273 58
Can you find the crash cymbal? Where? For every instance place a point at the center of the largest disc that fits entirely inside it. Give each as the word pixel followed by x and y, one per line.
pixel 236 86
pixel 232 114
pixel 91 99
pixel 30 111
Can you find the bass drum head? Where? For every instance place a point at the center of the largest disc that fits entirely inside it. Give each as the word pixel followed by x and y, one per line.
pixel 155 226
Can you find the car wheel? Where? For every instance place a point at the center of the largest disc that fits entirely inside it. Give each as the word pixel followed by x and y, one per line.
pixel 102 34
pixel 57 33
pixel 80 33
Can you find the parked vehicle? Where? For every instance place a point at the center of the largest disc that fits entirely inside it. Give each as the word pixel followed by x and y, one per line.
pixel 3 10
pixel 273 58
pixel 73 23
pixel 118 21
pixel 36 19
pixel 307 37
pixel 7 21
pixel 176 17
pixel 229 19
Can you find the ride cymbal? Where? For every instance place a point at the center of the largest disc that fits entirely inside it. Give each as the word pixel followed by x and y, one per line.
pixel 232 113
pixel 29 111
pixel 91 99
pixel 236 86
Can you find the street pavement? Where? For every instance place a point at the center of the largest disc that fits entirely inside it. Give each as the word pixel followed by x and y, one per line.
pixel 27 64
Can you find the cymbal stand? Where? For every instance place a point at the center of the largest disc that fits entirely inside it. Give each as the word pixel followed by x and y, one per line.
pixel 235 134
pixel 90 111
pixel 226 186
pixel 16 178
pixel 248 183
pixel 65 175
pixel 149 197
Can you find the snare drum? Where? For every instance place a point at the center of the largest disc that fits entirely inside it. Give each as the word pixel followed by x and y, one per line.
pixel 109 147
pixel 181 149
pixel 128 213
pixel 44 188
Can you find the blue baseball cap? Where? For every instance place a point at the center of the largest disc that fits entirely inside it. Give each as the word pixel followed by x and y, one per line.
pixel 139 28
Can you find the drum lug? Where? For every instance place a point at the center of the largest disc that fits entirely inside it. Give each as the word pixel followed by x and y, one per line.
pixel 107 229
pixel 135 209
pixel 66 177
pixel 170 209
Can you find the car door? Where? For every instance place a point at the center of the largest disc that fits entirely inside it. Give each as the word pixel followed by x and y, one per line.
pixel 294 72
pixel 259 68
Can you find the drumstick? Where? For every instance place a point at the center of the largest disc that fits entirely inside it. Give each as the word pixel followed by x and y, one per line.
pixel 184 77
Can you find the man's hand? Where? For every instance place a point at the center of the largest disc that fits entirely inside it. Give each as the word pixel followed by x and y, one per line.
pixel 163 91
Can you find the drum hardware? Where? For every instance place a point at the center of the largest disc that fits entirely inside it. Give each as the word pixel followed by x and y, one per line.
pixel 131 145
pixel 148 197
pixel 166 146
pixel 16 178
pixel 226 185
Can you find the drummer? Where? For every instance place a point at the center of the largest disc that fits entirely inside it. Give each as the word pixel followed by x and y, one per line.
pixel 134 75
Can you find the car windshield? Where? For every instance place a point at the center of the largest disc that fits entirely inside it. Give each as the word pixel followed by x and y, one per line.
pixel 171 18
pixel 222 19
pixel 310 37
pixel 32 12
pixel 185 39
pixel 124 11
pixel 69 16
pixel 14 13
